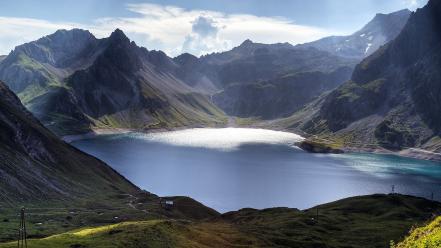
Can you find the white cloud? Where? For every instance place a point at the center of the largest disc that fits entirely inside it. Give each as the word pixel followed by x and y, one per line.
pixel 413 4
pixel 204 26
pixel 204 37
pixel 16 31
pixel 172 29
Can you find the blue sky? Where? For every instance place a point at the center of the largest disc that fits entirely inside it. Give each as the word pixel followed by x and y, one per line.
pixel 196 26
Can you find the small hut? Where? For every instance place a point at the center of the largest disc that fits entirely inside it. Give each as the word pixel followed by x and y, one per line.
pixel 167 204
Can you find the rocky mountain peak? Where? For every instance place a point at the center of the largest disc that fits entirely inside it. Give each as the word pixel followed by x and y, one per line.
pixel 59 49
pixel 62 39
pixel 185 57
pixel 402 13
pixel 380 30
pixel 119 36
pixel 388 25
pixel 63 35
pixel 246 43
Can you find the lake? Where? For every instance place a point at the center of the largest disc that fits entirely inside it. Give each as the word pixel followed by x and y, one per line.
pixel 232 168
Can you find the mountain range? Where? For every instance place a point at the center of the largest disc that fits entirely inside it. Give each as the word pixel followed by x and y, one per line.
pixel 394 95
pixel 273 81
pixel 72 81
pixel 370 87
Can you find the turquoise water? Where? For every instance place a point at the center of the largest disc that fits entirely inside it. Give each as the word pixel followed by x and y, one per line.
pixel 385 165
pixel 229 169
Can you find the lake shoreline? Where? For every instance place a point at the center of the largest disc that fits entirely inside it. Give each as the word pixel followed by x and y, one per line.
pixel 415 153
pixel 201 162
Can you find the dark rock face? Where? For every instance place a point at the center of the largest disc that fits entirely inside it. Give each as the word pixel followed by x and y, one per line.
pixel 316 147
pixel 106 86
pixel 401 83
pixel 379 31
pixel 392 138
pixel 351 102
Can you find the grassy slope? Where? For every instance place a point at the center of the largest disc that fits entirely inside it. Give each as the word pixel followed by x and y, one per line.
pixel 423 237
pixel 190 110
pixel 62 187
pixel 153 233
pixel 34 90
pixel 44 220
pixel 367 221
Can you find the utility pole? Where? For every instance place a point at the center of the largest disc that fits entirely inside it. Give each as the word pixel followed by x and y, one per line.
pixel 317 214
pixel 393 189
pixel 22 239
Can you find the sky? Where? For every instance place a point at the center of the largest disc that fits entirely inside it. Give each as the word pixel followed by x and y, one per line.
pixel 195 26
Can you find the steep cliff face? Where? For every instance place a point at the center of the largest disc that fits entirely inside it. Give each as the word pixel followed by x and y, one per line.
pixel 36 166
pixel 394 95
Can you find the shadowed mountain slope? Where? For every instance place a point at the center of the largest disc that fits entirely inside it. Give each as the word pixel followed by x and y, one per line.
pixel 394 96
pixel 36 166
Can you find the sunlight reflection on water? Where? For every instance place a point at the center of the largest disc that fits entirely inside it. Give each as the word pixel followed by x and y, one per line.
pixel 225 139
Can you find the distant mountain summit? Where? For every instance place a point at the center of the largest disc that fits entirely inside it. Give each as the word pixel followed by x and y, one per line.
pixel 48 60
pixel 380 30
